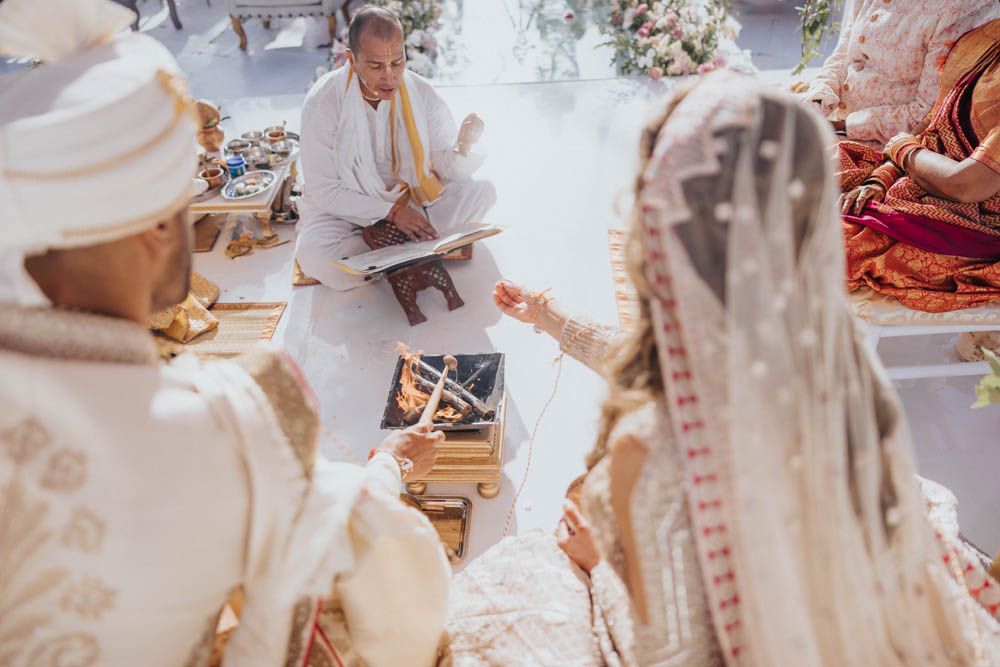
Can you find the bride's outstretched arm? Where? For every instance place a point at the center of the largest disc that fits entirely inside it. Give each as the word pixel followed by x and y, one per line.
pixel 577 335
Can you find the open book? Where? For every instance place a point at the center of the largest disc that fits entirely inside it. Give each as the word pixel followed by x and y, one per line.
pixel 390 257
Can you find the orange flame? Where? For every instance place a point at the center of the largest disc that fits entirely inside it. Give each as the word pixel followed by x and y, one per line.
pixel 410 395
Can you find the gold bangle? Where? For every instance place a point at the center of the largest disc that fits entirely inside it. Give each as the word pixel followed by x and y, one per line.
pixel 899 147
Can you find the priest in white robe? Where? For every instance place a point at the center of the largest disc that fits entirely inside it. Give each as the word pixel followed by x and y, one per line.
pixel 135 495
pixel 378 143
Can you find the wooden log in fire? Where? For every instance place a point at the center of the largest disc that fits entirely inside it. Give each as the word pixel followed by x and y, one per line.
pixel 433 375
pixel 447 396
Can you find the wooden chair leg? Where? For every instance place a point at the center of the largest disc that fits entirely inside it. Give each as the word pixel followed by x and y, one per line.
pixel 238 27
pixel 332 23
pixel 266 23
pixel 172 6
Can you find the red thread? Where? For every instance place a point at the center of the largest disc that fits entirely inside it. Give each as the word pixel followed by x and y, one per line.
pixel 312 634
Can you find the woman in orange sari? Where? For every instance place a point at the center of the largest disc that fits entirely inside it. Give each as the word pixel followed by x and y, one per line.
pixel 922 217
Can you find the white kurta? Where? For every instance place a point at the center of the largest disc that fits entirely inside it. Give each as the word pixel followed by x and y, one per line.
pixel 334 214
pixel 135 496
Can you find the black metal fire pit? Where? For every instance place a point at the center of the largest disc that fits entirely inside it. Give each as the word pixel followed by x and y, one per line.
pixel 488 387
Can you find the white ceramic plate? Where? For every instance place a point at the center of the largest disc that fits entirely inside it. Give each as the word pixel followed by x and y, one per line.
pixel 260 181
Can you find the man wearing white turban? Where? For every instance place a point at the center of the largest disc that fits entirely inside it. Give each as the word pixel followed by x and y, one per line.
pixel 136 496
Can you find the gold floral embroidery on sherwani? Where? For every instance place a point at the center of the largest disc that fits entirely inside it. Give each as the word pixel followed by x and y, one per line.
pixel 27 527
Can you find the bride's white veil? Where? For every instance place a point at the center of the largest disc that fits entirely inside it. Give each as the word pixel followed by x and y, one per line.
pixel 811 533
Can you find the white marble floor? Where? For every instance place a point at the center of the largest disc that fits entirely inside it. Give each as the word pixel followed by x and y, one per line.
pixel 560 153
pixel 562 135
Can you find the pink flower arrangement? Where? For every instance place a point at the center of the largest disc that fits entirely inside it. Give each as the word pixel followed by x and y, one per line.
pixel 667 37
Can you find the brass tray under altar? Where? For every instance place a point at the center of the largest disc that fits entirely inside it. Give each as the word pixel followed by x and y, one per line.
pixel 450 517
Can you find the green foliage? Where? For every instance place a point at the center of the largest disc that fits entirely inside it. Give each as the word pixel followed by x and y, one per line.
pixel 817 23
pixel 988 389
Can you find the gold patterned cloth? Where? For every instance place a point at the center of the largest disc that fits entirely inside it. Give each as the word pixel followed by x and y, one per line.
pixel 190 318
pixel 965 123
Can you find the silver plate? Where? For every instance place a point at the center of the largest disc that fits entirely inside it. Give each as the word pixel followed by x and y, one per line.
pixel 261 176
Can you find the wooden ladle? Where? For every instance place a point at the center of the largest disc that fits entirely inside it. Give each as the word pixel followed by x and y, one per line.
pixel 450 364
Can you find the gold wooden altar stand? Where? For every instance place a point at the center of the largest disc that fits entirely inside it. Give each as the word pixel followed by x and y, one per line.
pixel 469 456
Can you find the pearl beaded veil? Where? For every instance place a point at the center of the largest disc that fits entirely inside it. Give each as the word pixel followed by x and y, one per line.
pixel 799 468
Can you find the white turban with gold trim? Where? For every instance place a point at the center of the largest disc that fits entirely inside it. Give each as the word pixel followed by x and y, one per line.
pixel 96 143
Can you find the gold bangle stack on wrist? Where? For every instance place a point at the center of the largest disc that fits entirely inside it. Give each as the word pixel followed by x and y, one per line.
pixel 884 176
pixel 900 147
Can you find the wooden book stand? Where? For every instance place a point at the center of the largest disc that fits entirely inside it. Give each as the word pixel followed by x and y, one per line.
pixel 409 280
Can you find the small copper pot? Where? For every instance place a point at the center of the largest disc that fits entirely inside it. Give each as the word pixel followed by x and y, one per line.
pixel 212 175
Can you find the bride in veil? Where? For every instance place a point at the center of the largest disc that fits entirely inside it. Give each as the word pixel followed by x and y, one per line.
pixel 752 497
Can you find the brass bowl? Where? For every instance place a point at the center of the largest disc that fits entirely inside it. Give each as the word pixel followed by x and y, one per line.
pixel 275 135
pixel 213 176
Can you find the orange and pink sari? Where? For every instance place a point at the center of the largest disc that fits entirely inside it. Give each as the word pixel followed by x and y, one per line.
pixel 935 254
